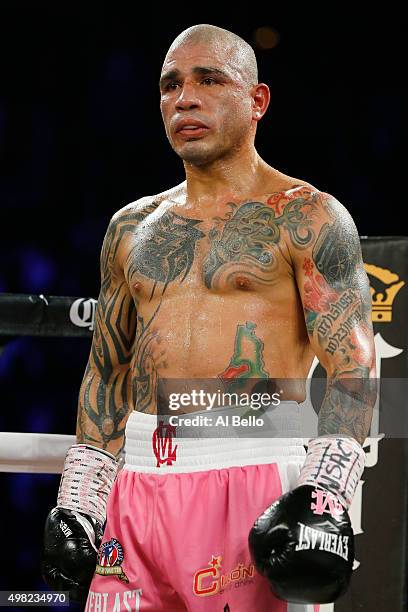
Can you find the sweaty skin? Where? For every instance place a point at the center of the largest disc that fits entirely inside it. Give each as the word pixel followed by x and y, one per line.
pixel 238 272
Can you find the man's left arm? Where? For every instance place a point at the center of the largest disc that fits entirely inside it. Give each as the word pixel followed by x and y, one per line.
pixel 335 294
pixel 303 543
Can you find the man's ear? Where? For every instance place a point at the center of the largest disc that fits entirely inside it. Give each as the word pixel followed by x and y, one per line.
pixel 260 100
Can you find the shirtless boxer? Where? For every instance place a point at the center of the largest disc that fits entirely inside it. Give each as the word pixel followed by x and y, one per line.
pixel 238 250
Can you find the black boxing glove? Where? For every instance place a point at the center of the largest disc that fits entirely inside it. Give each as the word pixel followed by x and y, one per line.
pixel 73 529
pixel 303 543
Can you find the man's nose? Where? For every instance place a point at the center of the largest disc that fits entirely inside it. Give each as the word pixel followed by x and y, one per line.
pixel 188 98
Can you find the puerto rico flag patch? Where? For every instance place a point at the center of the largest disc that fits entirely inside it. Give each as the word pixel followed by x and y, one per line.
pixel 110 557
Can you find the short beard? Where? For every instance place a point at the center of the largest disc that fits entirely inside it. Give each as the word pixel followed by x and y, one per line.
pixel 202 157
pixel 198 158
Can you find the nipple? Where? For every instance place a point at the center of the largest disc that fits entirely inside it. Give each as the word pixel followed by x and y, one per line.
pixel 242 283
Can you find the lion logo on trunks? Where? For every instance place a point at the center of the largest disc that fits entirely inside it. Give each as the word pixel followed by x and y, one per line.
pixel 209 581
pixel 110 557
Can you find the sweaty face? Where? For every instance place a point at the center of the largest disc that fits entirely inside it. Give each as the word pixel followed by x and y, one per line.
pixel 205 103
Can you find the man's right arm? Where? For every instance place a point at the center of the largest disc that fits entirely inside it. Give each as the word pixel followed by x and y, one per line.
pixel 74 527
pixel 105 397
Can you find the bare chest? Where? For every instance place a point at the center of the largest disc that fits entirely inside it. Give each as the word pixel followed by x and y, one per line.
pixel 241 249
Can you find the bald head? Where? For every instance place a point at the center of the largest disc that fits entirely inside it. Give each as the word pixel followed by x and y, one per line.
pixel 210 98
pixel 239 52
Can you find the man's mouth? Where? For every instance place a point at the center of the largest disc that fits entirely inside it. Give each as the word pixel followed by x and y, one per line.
pixel 189 126
pixel 192 130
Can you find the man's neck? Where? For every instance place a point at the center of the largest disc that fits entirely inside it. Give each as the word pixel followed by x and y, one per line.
pixel 231 179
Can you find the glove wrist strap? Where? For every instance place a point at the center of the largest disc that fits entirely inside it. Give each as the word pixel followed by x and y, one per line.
pixel 87 478
pixel 335 464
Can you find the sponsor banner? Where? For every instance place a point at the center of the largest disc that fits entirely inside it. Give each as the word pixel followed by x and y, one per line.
pixel 379 509
pixel 46 315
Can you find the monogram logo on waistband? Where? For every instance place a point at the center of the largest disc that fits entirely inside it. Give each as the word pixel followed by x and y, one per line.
pixel 162 442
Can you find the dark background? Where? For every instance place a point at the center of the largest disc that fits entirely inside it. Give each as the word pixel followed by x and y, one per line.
pixel 81 136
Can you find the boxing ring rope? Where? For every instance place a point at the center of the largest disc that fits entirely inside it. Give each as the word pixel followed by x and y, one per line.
pixel 39 315
pixel 35 453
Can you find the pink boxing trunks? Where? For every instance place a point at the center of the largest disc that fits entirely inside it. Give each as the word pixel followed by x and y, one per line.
pixel 178 519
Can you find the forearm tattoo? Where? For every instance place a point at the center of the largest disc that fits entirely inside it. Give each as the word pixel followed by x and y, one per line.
pixel 347 407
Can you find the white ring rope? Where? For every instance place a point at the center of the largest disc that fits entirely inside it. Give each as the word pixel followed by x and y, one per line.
pixel 39 453
pixel 33 452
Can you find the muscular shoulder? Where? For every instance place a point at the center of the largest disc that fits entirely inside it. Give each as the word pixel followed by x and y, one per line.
pixel 326 208
pixel 312 203
pixel 318 228
pixel 146 205
pixel 120 232
pixel 290 188
pixel 312 220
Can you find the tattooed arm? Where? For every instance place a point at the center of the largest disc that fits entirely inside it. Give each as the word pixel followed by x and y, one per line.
pixel 334 289
pixel 105 394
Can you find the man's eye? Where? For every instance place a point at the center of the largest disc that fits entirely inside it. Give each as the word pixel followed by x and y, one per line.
pixel 171 86
pixel 208 81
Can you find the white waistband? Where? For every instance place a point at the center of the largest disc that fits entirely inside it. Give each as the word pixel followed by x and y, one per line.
pixel 163 450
